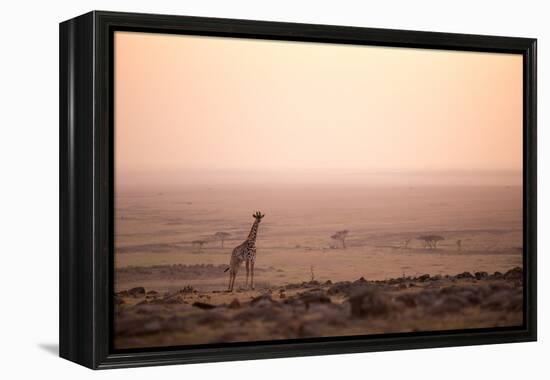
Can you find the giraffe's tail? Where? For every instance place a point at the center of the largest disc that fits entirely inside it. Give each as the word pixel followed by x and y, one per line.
pixel 226 269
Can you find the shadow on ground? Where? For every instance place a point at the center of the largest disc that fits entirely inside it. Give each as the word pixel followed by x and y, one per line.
pixel 52 348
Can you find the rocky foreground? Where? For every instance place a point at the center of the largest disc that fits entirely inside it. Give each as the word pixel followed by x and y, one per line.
pixel 146 318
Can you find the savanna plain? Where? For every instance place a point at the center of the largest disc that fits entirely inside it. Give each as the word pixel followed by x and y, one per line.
pixel 332 260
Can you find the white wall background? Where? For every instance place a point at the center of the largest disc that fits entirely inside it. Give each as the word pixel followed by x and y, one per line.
pixel 29 187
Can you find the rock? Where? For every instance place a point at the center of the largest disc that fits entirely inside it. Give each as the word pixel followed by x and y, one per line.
pixel 424 277
pixel 464 275
pixel 186 290
pixel 394 281
pixel 119 301
pixel 514 274
pixel 137 292
pixel 263 299
pixel 204 305
pixel 308 298
pixel 340 287
pixel 369 303
pixel 497 275
pixel 481 275
pixel 134 292
pixel 173 300
pixel 293 286
pixel 314 289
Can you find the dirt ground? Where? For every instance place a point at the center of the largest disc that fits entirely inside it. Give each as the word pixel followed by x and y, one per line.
pixel 297 260
pixel 147 318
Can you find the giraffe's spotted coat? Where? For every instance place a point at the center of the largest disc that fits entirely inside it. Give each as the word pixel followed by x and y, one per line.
pixel 246 252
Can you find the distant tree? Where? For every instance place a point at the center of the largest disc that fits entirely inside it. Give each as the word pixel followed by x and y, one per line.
pixel 198 243
pixel 222 236
pixel 459 245
pixel 406 244
pixel 436 239
pixel 430 241
pixel 341 236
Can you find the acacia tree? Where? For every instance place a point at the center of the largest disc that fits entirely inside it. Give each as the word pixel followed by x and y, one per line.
pixel 430 241
pixel 459 245
pixel 222 236
pixel 198 243
pixel 341 236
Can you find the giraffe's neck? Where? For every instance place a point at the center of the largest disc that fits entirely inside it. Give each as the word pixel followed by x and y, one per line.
pixel 253 232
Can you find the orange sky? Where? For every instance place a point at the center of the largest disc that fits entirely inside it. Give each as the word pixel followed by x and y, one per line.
pixel 188 103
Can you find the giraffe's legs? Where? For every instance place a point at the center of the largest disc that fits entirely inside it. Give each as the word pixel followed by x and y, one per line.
pixel 230 280
pixel 247 273
pixel 232 275
pixel 252 274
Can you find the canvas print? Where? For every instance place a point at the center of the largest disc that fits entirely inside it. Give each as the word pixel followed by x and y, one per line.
pixel 275 190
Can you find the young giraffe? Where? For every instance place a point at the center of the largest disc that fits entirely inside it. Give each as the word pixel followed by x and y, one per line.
pixel 245 252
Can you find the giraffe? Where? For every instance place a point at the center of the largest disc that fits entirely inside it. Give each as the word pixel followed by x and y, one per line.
pixel 245 252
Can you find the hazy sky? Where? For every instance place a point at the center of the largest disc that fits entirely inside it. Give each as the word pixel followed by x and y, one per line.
pixel 188 103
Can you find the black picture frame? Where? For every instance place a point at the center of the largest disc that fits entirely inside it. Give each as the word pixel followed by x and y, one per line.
pixel 86 187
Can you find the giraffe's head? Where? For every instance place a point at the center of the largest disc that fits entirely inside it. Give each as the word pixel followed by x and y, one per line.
pixel 258 216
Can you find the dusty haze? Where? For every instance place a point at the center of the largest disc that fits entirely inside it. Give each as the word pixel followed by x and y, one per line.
pixel 188 103
pixel 389 144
